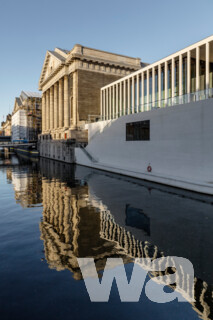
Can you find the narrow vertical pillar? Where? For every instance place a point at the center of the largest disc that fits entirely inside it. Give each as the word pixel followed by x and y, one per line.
pixel 188 72
pixel 120 100
pixel 133 94
pixel 66 102
pixel 197 68
pixel 142 91
pixel 159 86
pixel 101 99
pixel 74 100
pixel 55 105
pixel 180 75
pixel 48 109
pixel 166 82
pixel 43 112
pixel 173 78
pixel 51 109
pixel 116 111
pixel 124 98
pixel 147 84
pixel 61 104
pixel 207 67
pixel 128 96
pixel 104 108
pixel 153 86
pixel 138 92
pixel 107 104
pixel 113 102
pixel 110 103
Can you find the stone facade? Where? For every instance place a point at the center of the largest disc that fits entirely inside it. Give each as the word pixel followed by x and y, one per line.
pixel 6 126
pixel 70 82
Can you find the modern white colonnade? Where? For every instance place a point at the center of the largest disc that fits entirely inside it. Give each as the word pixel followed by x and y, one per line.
pixel 179 78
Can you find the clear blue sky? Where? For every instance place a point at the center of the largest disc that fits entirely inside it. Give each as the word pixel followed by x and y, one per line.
pixel 150 29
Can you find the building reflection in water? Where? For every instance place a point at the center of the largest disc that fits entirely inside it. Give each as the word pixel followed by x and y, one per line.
pixel 76 223
pixel 26 180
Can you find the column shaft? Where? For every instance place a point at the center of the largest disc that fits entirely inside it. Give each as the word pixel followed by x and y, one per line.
pixel 43 112
pixel 128 95
pixel 147 86
pixel 48 109
pixel 55 105
pixel 61 104
pixel 51 109
pixel 66 102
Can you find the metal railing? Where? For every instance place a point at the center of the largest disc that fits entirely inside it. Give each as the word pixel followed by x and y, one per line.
pixel 183 99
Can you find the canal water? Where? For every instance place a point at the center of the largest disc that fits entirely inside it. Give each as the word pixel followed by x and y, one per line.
pixel 53 213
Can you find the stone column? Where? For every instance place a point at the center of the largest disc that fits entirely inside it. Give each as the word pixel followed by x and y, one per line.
pixel 159 86
pixel 61 104
pixel 207 66
pixel 66 102
pixel 43 112
pixel 48 109
pixel 51 109
pixel 75 99
pixel 55 105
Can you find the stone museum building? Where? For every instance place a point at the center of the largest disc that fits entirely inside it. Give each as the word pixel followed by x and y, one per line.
pixel 70 82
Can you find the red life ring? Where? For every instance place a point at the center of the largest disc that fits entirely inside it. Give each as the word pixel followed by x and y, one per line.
pixel 149 168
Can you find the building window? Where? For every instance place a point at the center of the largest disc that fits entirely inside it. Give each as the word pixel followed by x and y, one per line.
pixel 138 131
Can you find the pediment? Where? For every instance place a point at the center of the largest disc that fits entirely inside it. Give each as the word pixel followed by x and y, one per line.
pixel 51 62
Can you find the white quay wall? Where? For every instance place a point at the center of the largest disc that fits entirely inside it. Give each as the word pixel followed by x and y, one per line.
pixel 180 150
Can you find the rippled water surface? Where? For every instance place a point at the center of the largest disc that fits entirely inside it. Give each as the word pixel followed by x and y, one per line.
pixel 52 213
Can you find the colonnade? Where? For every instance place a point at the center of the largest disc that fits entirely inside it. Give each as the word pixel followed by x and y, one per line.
pixel 55 106
pixel 180 78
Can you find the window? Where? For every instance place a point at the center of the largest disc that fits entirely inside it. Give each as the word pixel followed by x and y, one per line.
pixel 137 131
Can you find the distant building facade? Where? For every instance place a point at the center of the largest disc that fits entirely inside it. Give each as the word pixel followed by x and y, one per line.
pixel 70 82
pixel 6 126
pixel 26 116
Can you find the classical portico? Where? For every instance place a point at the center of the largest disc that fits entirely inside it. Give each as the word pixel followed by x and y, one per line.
pixel 70 82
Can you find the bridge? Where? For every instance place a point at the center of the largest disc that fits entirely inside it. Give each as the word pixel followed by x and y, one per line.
pixel 10 144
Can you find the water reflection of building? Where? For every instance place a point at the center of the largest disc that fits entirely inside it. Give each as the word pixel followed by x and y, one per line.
pixel 78 224
pixel 27 184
